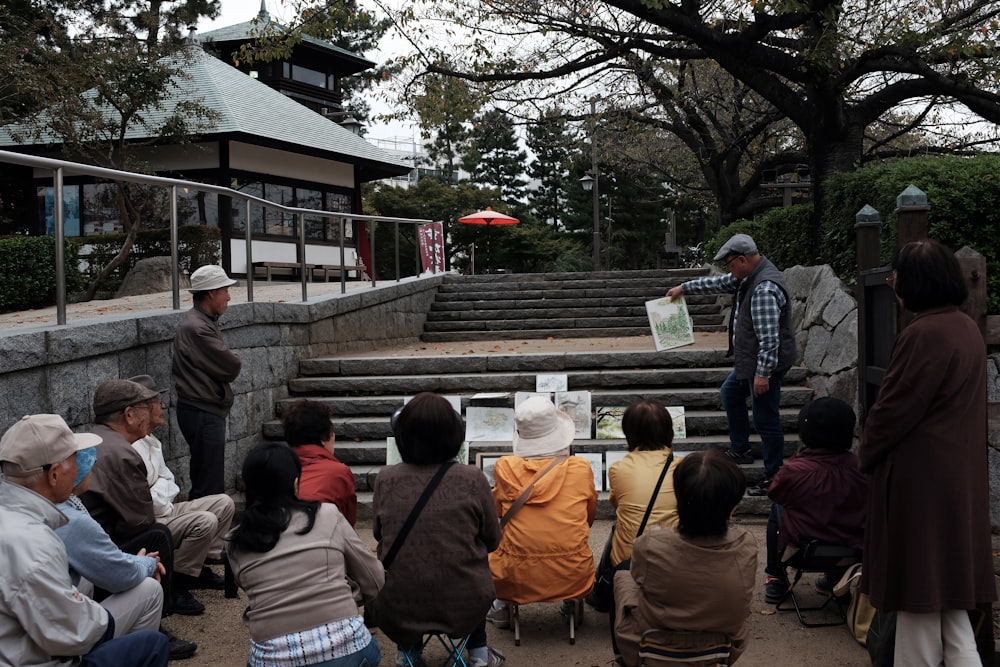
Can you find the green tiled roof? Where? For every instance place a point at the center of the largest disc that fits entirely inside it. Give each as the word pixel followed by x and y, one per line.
pixel 250 111
pixel 244 32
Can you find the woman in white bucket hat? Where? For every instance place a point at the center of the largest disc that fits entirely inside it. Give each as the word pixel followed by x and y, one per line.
pixel 544 554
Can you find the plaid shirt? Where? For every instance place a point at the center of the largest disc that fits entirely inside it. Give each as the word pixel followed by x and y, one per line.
pixel 765 311
pixel 336 639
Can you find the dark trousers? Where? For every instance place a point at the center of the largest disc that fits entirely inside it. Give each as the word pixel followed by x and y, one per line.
pixel 145 648
pixel 205 434
pixel 156 537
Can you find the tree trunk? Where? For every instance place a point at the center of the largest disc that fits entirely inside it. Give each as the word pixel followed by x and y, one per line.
pixel 130 219
pixel 830 153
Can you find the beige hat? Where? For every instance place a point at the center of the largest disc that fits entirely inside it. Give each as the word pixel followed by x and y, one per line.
pixel 40 440
pixel 541 430
pixel 208 278
pixel 115 395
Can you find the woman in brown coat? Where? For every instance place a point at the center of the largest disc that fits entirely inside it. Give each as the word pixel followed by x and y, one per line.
pixel 440 580
pixel 927 542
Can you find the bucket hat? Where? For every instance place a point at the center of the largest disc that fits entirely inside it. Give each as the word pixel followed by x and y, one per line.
pixel 208 278
pixel 541 430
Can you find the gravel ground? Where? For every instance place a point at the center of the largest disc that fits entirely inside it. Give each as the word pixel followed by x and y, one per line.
pixel 776 638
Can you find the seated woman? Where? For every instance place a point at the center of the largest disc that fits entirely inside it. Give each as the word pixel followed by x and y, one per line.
pixel 649 432
pixel 324 478
pixel 544 555
pixel 819 494
pixel 696 577
pixel 440 579
pixel 299 562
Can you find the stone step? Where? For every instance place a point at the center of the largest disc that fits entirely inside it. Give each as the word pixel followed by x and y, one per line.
pixel 692 398
pixel 596 278
pixel 372 427
pixel 493 382
pixel 542 324
pixel 534 362
pixel 548 311
pixel 623 332
pixel 372 452
pixel 503 300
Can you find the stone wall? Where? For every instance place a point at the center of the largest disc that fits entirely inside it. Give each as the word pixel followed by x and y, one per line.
pixel 825 318
pixel 56 369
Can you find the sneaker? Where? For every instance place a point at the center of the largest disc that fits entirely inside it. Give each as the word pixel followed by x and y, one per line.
pixel 186 604
pixel 180 649
pixel 775 590
pixel 739 457
pixel 823 585
pixel 759 489
pixel 499 615
pixel 494 658
pixel 416 660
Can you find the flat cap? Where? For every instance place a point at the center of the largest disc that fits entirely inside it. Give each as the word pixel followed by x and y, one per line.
pixel 738 244
pixel 115 395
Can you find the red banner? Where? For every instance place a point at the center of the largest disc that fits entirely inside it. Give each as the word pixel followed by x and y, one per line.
pixel 431 246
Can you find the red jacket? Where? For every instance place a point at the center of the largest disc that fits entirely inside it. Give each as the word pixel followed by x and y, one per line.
pixel 327 480
pixel 825 496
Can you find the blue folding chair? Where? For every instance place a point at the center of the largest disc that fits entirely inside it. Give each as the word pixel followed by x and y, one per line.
pixel 454 647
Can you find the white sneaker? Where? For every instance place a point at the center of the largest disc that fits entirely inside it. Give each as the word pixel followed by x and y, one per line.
pixel 493 659
pixel 499 615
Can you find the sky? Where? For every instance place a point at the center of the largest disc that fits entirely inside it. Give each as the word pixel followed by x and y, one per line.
pixel 238 11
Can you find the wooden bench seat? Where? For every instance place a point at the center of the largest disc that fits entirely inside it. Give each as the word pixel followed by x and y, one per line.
pixel 270 269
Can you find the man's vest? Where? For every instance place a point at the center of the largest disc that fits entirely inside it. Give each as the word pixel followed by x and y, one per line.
pixel 743 339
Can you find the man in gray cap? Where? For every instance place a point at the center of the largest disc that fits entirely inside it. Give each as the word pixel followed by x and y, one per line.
pixel 203 367
pixel 44 619
pixel 762 343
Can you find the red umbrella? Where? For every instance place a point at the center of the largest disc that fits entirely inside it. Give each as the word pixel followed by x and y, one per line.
pixel 489 217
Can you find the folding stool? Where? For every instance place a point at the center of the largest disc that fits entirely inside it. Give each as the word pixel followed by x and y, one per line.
pixel 816 557
pixel 454 647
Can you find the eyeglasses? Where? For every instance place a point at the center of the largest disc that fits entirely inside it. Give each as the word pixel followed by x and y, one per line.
pixel 152 403
pixel 890 280
pixel 731 259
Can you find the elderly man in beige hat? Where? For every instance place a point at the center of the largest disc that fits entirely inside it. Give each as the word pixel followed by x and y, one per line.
pixel 44 619
pixel 203 367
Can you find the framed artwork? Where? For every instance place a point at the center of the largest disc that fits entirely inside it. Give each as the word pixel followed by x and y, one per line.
pixel 670 323
pixel 489 424
pixel 596 461
pixel 486 461
pixel 577 405
pixel 680 425
pixel 609 423
pixel 547 383
pixel 611 456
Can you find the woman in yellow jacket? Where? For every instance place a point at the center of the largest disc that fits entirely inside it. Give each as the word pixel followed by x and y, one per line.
pixel 544 554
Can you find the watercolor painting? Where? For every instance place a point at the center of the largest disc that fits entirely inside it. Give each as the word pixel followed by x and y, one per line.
pixel 489 424
pixel 577 405
pixel 670 323
pixel 609 422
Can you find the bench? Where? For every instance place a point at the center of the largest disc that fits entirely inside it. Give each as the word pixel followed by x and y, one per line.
pixel 269 268
pixel 325 270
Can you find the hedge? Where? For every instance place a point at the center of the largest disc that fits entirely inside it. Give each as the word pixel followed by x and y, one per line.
pixel 28 273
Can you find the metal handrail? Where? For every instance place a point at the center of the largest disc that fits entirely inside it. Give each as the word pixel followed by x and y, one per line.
pixel 61 167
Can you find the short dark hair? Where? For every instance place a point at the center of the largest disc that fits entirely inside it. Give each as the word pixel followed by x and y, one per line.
pixel 708 486
pixel 306 423
pixel 928 276
pixel 269 473
pixel 428 430
pixel 647 425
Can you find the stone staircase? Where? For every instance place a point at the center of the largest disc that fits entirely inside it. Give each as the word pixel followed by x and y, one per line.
pixel 564 305
pixel 363 390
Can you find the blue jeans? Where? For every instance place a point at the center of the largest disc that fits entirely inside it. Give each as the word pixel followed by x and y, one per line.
pixel 205 434
pixel 773 566
pixel 369 656
pixel 146 648
pixel 766 418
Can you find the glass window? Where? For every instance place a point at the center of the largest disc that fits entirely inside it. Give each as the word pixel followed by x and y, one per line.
pixel 308 76
pixel 100 213
pixel 71 209
pixel 279 223
pixel 195 207
pixel 240 208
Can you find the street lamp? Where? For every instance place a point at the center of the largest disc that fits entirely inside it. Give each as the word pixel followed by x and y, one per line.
pixel 591 182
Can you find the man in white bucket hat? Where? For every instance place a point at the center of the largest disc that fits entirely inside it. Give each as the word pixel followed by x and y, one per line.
pixel 203 367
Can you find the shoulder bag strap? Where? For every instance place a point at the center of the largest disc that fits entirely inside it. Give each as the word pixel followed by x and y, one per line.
pixel 523 498
pixel 414 513
pixel 656 492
